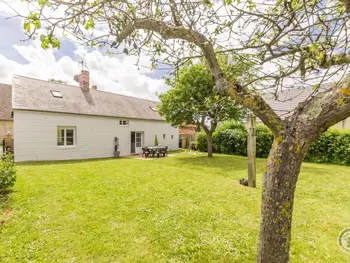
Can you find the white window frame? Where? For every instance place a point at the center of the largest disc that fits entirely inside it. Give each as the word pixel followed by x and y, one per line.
pixel 138 139
pixel 123 123
pixel 65 128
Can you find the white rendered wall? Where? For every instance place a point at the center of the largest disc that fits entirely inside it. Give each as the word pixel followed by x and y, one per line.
pixel 35 135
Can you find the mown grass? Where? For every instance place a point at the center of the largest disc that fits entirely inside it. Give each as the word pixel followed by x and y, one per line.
pixel 185 208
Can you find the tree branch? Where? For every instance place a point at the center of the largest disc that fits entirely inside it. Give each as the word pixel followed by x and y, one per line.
pixel 325 109
pixel 251 100
pixel 336 60
pixel 174 32
pixel 175 13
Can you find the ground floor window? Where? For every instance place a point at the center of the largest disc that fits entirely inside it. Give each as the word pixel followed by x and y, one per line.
pixel 66 136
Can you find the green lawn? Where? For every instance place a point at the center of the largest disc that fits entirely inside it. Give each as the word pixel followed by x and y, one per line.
pixel 185 208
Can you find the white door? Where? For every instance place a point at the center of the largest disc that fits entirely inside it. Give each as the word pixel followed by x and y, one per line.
pixel 138 142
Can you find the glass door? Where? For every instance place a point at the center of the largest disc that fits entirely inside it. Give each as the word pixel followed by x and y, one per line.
pixel 138 142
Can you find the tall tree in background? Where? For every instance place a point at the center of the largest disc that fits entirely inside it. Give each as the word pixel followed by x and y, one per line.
pixel 297 43
pixel 194 99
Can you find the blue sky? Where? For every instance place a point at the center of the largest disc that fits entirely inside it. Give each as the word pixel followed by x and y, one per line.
pixel 117 74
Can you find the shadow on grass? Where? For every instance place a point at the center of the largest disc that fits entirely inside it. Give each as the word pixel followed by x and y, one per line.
pixel 217 161
pixel 4 199
pixel 33 163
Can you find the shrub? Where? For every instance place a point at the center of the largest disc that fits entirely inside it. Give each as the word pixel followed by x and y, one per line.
pixel 331 147
pixel 231 141
pixel 7 173
pixel 233 126
pixel 202 142
pixel 264 140
pixel 155 140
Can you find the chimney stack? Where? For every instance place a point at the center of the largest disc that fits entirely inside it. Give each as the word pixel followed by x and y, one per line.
pixel 94 87
pixel 84 80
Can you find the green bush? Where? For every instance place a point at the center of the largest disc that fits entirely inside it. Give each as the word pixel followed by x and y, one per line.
pixel 231 142
pixel 331 147
pixel 232 125
pixel 264 140
pixel 202 142
pixel 7 173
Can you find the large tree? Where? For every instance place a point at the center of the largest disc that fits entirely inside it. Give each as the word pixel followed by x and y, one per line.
pixel 296 43
pixel 192 98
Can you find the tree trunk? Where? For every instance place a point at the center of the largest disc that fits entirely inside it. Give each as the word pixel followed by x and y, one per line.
pixel 210 144
pixel 279 182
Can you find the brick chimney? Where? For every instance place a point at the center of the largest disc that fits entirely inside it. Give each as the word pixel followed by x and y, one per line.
pixel 84 80
pixel 94 87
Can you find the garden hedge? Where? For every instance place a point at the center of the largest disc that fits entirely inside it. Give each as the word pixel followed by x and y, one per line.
pixel 332 147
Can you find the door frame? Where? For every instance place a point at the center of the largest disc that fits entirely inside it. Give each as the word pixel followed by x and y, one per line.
pixel 133 141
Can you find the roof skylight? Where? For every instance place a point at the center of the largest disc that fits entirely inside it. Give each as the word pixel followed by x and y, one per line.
pixel 56 94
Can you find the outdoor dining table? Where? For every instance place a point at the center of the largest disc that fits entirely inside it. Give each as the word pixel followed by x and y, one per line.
pixel 153 150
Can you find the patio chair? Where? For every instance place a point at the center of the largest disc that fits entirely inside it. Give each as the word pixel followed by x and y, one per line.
pixel 153 152
pixel 145 152
pixel 158 152
pixel 161 152
pixel 165 151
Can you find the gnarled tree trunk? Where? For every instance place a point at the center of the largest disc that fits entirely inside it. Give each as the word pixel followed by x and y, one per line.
pixel 279 183
pixel 292 141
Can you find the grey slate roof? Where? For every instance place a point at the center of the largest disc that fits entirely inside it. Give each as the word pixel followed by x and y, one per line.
pixel 288 100
pixel 34 94
pixel 5 102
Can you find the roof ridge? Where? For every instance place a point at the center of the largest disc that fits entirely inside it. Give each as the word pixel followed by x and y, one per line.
pixel 4 84
pixel 94 90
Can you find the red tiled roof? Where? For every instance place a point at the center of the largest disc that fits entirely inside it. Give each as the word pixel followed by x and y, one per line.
pixel 187 130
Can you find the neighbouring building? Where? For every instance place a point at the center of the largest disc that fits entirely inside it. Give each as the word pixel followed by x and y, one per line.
pixel 288 100
pixel 55 121
pixel 6 121
pixel 187 134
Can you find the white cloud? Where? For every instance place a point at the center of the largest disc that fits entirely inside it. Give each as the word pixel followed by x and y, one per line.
pixel 116 74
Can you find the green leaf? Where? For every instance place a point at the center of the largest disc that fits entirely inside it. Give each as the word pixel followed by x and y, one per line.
pixel 27 26
pixel 42 3
pixel 89 24
pixel 44 45
pixel 37 24
pixel 43 37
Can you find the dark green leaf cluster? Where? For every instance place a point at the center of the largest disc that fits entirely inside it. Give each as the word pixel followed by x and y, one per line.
pixel 332 147
pixel 7 173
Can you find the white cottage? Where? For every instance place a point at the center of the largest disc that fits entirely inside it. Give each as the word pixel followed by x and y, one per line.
pixel 61 122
